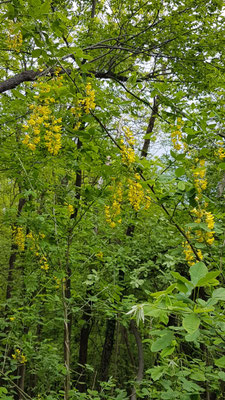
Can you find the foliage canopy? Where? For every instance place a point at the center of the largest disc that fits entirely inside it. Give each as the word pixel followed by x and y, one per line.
pixel 112 199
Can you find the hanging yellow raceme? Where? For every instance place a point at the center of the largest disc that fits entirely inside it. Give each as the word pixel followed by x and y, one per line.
pixel 14 38
pixel 19 238
pixel 200 214
pixel 43 121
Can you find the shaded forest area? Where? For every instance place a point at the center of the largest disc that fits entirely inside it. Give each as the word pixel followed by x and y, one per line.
pixel 112 178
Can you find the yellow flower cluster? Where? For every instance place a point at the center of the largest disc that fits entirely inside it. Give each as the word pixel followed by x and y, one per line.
pixel 201 215
pixel 70 209
pixel 36 249
pixel 135 193
pixel 100 255
pixel 77 111
pixel 189 254
pixel 129 136
pixel 14 38
pixel 220 152
pixel 209 219
pixel 19 238
pixel 42 119
pixel 176 136
pixel 88 104
pixel 200 181
pixel 112 213
pixel 136 196
pixel 19 357
pixel 127 151
pixel 58 281
pixel 44 264
pixel 90 99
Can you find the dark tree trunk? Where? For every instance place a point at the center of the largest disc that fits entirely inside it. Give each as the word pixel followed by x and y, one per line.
pixel 107 349
pixel 83 350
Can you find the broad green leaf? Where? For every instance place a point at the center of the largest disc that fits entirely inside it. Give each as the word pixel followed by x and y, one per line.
pixel 199 310
pixel 219 294
pixel 156 372
pixel 192 337
pixel 179 172
pixel 191 323
pixel 198 271
pixel 220 362
pixel 191 386
pixel 181 185
pixel 180 277
pixel 209 278
pixel 163 342
pixel 198 376
pixel 221 375
pixel 36 53
pixel 167 351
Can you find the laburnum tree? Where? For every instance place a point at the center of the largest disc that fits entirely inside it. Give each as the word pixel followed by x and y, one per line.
pixel 112 199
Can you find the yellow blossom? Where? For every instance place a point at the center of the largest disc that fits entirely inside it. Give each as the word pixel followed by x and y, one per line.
pixel 19 357
pixel 70 209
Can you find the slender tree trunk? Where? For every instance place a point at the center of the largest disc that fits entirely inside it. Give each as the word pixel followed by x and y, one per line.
pixel 67 288
pixel 21 373
pixel 140 372
pixel 83 350
pixel 107 349
pixel 66 348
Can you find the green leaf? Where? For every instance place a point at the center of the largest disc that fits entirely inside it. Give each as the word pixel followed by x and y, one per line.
pixel 219 294
pixel 198 376
pixel 162 342
pixel 190 131
pixel 156 372
pixel 191 323
pixel 36 53
pixel 167 351
pixel 220 362
pixel 44 9
pixel 198 271
pixel 222 165
pixel 180 277
pixel 209 278
pixel 221 375
pixel 181 185
pixel 192 337
pixel 179 172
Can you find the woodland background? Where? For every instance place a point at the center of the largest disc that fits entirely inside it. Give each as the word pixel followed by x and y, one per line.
pixel 112 178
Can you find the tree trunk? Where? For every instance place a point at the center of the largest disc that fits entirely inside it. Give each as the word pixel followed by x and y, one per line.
pixel 107 349
pixel 83 350
pixel 140 372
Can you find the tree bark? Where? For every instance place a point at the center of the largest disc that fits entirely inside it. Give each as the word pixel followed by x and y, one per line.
pixel 16 80
pixel 107 349
pixel 83 350
pixel 150 127
pixel 140 371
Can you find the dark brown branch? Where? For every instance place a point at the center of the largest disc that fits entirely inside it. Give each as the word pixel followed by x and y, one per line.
pixel 150 127
pixel 94 2
pixel 11 83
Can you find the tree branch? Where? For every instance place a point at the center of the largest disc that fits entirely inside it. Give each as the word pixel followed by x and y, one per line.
pixel 11 83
